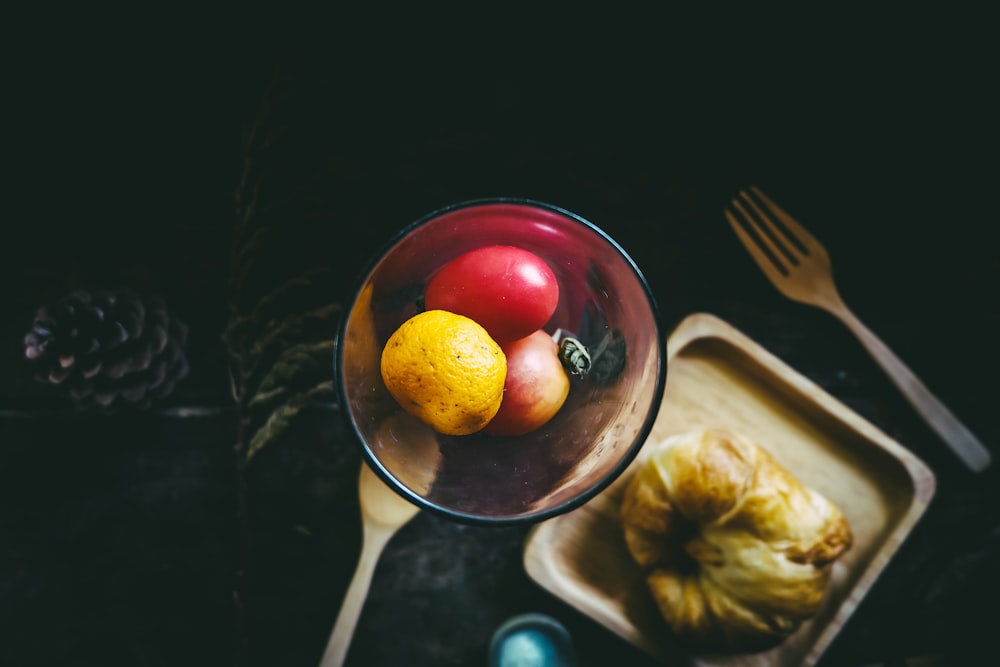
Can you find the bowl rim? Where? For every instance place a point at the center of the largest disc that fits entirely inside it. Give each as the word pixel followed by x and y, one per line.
pixel 565 506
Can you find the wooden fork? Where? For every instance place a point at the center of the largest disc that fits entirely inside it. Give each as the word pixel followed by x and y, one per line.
pixel 800 268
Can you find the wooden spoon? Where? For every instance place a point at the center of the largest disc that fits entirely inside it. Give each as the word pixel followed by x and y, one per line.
pixel 383 512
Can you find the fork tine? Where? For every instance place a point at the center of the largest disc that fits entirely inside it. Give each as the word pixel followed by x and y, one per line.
pixel 775 243
pixel 797 233
pixel 765 257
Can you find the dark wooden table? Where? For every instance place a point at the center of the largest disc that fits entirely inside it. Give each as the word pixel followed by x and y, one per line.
pixel 135 539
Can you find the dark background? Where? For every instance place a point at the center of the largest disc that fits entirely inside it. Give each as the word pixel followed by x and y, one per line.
pixel 119 538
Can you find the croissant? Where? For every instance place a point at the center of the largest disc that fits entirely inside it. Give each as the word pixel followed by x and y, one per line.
pixel 737 552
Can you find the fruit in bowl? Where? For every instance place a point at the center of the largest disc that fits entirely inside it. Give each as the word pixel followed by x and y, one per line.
pixel 476 359
pixel 444 369
pixel 510 291
pixel 536 386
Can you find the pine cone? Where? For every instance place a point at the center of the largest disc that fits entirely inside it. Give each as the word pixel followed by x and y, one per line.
pixel 108 348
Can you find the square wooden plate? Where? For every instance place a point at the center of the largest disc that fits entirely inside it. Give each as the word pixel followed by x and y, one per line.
pixel 718 377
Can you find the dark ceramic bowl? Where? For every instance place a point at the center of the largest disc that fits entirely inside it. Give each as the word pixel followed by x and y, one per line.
pixel 604 302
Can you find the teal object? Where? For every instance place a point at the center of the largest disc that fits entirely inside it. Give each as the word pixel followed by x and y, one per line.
pixel 532 640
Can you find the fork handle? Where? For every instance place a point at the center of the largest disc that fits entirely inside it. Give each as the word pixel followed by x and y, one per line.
pixel 935 413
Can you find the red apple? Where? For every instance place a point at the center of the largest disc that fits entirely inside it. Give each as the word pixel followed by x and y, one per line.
pixel 508 290
pixel 536 385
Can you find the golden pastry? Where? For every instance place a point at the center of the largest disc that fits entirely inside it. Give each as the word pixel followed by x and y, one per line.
pixel 736 550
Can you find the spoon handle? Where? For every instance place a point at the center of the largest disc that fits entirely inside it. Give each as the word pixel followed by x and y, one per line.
pixel 350 609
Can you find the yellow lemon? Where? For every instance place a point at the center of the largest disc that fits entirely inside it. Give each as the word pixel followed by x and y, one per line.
pixel 446 370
